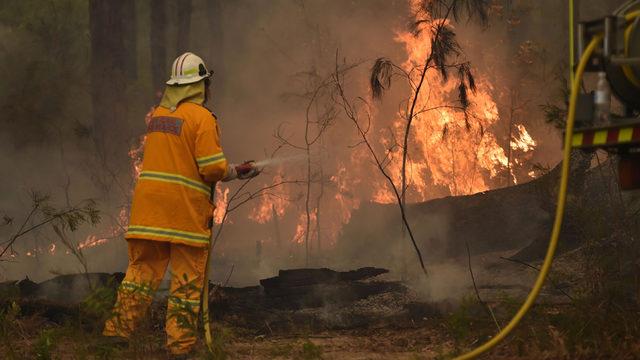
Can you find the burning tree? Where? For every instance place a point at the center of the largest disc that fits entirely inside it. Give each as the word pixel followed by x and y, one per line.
pixel 434 54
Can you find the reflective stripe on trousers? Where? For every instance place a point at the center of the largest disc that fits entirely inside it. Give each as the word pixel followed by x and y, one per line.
pixel 148 261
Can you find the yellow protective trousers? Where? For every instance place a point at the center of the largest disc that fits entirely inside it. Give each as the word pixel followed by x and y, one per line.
pixel 148 261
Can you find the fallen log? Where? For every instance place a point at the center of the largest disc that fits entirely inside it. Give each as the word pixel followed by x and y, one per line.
pixel 307 277
pixel 315 298
pixel 517 218
pixel 67 289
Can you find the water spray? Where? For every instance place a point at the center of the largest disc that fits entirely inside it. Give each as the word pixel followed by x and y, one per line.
pixel 279 160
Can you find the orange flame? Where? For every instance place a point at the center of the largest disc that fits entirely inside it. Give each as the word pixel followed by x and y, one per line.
pixel 221 199
pixel 450 153
pixel 301 227
pixel 136 155
pixel 91 241
pixel 268 206
pixel 446 148
pixel 523 142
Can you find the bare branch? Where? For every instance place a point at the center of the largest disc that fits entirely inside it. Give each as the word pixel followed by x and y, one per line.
pixel 553 282
pixel 439 28
pixel 69 218
pixel 475 288
pixel 239 198
pixel 283 140
pixel 352 113
pixel 472 9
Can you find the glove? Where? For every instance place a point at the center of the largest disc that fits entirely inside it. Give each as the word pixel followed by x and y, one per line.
pixel 243 171
pixel 247 170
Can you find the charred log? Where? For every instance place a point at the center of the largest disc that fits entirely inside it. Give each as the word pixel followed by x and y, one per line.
pixel 68 289
pixel 307 277
pixel 309 298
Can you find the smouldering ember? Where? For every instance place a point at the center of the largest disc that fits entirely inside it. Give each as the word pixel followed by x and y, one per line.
pixel 113 232
pixel 91 241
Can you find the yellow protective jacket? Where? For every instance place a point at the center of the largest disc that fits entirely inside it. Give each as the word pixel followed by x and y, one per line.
pixel 182 158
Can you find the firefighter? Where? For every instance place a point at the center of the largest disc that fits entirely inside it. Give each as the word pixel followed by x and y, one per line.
pixel 171 212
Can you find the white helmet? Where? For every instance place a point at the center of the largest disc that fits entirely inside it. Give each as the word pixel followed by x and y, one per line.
pixel 188 68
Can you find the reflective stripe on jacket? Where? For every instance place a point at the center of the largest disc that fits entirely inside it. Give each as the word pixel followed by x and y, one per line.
pixel 182 157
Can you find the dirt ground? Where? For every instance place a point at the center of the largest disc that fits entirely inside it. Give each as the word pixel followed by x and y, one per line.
pixel 562 325
pixel 422 343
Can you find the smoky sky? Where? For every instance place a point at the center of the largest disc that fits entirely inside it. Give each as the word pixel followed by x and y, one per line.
pixel 261 56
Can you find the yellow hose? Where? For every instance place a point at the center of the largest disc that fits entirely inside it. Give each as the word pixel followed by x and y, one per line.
pixel 632 15
pixel 627 69
pixel 205 290
pixel 562 196
pixel 205 304
pixel 572 57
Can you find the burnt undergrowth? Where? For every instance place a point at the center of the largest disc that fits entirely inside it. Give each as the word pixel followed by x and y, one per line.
pixel 597 273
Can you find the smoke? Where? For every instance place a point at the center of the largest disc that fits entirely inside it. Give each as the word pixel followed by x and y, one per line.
pixel 270 56
pixel 264 64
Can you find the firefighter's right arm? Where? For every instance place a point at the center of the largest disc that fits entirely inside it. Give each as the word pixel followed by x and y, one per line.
pixel 211 161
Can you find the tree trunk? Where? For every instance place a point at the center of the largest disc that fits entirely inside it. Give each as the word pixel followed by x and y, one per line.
pixel 276 224
pixel 318 206
pixel 158 43
pixel 130 22
pixel 107 72
pixel 183 12
pixel 215 60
